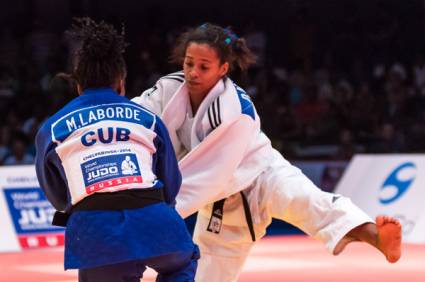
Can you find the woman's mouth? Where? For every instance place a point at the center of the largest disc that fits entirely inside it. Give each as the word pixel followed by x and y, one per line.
pixel 193 83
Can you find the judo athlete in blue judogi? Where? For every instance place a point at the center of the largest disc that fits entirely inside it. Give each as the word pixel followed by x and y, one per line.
pixel 109 166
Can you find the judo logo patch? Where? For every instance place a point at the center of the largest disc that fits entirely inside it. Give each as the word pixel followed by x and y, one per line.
pixel 397 183
pixel 110 171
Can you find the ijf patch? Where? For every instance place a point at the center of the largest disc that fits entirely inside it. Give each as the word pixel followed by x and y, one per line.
pixel 110 171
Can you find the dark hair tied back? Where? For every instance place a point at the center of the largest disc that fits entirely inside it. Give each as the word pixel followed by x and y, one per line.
pixel 230 48
pixel 231 38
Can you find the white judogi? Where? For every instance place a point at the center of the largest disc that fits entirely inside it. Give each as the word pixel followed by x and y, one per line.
pixel 228 154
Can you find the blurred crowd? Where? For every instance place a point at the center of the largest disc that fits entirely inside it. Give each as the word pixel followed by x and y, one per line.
pixel 324 90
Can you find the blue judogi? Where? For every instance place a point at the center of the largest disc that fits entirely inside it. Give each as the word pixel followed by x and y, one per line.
pixel 103 144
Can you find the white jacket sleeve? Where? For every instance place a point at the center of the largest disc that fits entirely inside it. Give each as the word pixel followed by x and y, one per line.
pixel 151 99
pixel 209 168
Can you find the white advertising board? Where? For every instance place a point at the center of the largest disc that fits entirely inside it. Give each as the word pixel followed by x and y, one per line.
pixel 390 185
pixel 25 214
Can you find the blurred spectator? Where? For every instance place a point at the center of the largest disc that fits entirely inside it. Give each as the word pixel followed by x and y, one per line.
pixel 13 119
pixel 301 31
pixel 383 31
pixel 347 147
pixel 8 83
pixel 389 140
pixel 31 125
pixel 9 49
pixel 62 89
pixel 361 119
pixel 4 142
pixel 419 71
pixel 256 40
pixel 18 154
pixel 323 67
pixel 331 175
pixel 343 95
pixel 41 45
pixel 416 136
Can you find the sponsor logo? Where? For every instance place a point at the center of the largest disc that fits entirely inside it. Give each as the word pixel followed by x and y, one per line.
pixel 110 171
pixel 397 183
pixel 407 224
pixel 32 215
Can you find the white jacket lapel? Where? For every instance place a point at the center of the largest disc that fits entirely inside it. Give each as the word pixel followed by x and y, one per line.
pixel 197 131
pixel 174 114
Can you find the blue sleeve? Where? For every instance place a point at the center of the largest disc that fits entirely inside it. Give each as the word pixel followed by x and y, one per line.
pixel 165 164
pixel 50 173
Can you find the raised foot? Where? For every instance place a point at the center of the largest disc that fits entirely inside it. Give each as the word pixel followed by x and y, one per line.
pixel 389 237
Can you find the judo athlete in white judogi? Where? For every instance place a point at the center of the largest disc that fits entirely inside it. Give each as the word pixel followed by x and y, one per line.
pixel 231 175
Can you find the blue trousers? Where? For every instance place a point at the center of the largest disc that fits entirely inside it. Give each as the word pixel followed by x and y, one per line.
pixel 176 267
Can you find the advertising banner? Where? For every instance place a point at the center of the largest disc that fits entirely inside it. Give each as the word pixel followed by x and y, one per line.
pixel 25 214
pixel 391 185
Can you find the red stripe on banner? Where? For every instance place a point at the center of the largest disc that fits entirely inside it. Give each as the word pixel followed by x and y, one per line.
pixel 35 241
pixel 113 182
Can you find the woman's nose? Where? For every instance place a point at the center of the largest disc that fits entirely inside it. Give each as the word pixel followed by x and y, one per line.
pixel 193 73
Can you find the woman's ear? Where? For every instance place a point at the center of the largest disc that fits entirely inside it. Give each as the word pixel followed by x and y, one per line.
pixel 79 89
pixel 224 69
pixel 121 87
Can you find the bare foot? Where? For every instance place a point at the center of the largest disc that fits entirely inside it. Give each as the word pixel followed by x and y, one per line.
pixel 389 237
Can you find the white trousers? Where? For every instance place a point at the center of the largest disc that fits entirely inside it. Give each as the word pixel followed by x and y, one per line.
pixel 282 192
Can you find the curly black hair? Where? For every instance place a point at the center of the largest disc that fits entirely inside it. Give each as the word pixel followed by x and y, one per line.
pixel 99 62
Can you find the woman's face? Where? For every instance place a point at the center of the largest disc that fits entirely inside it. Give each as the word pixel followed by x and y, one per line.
pixel 202 68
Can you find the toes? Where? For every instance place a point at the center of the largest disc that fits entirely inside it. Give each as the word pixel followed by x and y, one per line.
pixel 393 220
pixel 383 219
pixel 379 220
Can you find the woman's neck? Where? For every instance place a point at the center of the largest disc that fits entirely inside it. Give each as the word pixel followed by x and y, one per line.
pixel 196 100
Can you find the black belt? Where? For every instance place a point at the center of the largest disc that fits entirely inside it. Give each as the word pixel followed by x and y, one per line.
pixel 112 201
pixel 217 216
